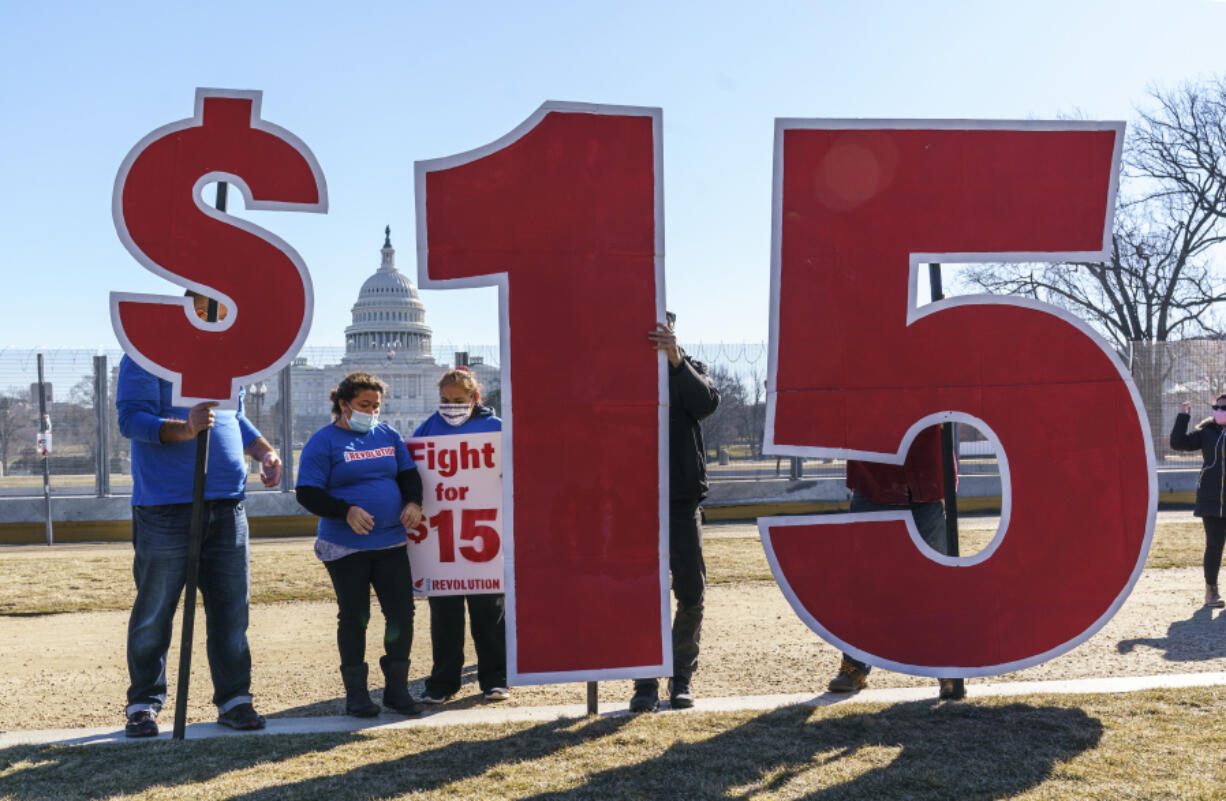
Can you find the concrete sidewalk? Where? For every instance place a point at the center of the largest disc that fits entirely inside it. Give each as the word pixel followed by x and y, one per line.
pixel 538 714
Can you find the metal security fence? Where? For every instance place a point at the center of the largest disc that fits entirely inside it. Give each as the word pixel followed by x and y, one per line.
pixel 1169 373
pixel 89 456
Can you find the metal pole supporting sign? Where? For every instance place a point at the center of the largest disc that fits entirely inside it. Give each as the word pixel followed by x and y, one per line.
pixel 195 539
pixel 948 466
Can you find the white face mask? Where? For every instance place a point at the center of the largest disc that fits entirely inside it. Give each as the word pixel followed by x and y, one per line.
pixel 362 422
pixel 454 414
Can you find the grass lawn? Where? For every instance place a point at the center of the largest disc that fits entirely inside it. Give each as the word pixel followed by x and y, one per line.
pixel 79 579
pixel 1154 745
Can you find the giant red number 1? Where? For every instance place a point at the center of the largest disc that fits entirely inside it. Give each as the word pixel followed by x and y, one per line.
pixel 564 215
pixel 857 369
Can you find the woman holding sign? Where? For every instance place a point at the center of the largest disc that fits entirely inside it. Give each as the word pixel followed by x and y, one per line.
pixel 460 412
pixel 358 477
pixel 1209 438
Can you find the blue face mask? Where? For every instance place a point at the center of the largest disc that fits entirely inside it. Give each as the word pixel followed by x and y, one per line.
pixel 362 422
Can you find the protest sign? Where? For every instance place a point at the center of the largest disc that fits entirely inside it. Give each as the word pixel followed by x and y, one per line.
pixel 565 216
pixel 858 368
pixel 457 548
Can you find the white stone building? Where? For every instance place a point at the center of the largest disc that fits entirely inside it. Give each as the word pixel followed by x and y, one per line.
pixel 390 339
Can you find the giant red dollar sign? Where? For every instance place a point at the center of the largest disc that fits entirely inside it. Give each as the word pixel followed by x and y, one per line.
pixel 163 221
pixel 858 369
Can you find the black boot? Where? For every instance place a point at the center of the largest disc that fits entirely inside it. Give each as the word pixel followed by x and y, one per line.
pixel 357 698
pixel 396 693
pixel 646 696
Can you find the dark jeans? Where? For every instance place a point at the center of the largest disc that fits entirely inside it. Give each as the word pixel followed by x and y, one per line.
pixel 486 614
pixel 689 586
pixel 159 566
pixel 387 570
pixel 929 521
pixel 1215 537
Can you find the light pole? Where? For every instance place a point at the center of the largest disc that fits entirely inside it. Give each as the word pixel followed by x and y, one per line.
pixel 257 393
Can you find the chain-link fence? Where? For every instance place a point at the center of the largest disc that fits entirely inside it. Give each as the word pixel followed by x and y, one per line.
pixel 89 455
pixel 1169 373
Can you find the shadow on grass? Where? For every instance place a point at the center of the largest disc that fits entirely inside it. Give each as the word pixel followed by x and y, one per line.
pixel 1200 637
pixel 52 773
pixel 922 750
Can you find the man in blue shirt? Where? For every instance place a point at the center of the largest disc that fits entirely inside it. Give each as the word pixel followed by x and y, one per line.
pixel 163 470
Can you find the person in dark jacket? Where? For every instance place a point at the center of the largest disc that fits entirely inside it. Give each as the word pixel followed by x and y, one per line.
pixel 1209 437
pixel 691 397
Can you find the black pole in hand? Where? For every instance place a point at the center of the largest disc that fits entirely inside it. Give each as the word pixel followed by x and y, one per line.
pixel 195 539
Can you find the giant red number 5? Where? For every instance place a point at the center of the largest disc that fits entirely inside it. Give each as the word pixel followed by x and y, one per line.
pixel 857 370
pixel 564 215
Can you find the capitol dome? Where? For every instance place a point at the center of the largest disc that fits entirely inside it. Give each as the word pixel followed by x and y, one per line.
pixel 389 318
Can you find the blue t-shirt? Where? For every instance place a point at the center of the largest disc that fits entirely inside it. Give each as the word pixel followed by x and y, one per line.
pixel 479 423
pixel 359 469
pixel 164 472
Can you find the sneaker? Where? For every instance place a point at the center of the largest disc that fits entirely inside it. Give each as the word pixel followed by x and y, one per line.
pixel 952 689
pixel 680 696
pixel 1212 599
pixel 849 680
pixel 498 694
pixel 645 699
pixel 432 699
pixel 242 717
pixel 141 723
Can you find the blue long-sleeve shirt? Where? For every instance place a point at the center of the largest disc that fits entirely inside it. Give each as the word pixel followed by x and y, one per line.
pixel 163 472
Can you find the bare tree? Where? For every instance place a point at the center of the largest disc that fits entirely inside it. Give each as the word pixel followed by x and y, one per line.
pixel 725 426
pixel 755 413
pixel 1159 282
pixel 15 421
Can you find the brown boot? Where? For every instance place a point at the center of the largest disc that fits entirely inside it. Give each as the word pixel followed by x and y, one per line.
pixel 952 689
pixel 1212 599
pixel 850 679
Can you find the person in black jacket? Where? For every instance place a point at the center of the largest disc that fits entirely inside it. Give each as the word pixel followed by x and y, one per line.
pixel 691 397
pixel 1210 437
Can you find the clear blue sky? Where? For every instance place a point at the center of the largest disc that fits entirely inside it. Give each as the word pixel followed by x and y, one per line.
pixel 373 87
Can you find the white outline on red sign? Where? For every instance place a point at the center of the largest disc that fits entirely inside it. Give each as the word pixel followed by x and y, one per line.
pixel 915 312
pixel 121 228
pixel 424 167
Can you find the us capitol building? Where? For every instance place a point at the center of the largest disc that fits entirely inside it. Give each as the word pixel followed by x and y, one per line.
pixel 390 339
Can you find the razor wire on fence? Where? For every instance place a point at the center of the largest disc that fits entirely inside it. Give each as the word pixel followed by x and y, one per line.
pixel 89 455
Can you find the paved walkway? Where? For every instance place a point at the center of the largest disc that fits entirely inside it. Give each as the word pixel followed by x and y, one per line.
pixel 537 714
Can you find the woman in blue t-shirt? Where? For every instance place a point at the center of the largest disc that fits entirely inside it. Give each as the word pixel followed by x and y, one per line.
pixel 357 476
pixel 460 412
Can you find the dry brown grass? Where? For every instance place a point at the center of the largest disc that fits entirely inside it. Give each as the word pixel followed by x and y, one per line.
pixel 1154 745
pixel 76 578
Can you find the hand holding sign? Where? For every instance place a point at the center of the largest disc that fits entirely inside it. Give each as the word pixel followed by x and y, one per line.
pixel 410 517
pixel 163 221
